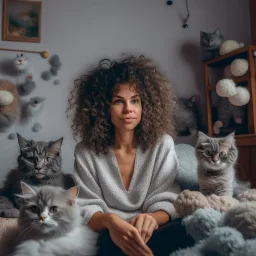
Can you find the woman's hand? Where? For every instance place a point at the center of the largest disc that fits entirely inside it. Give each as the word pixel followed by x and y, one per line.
pixel 145 224
pixel 127 237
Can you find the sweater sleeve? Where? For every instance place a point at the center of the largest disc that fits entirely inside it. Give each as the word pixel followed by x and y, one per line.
pixel 90 196
pixel 163 190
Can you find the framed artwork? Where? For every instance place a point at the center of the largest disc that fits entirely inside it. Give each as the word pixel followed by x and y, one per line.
pixel 22 20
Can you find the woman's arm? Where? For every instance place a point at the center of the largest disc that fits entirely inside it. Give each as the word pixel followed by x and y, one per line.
pixel 161 217
pixel 99 221
pixel 163 189
pixel 90 195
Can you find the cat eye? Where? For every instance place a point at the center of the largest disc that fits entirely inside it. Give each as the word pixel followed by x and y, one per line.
pixel 35 209
pixel 54 209
pixel 208 152
pixel 47 160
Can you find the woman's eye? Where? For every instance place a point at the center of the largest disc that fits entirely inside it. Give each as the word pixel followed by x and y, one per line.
pixel 135 101
pixel 208 152
pixel 118 102
pixel 35 209
pixel 54 209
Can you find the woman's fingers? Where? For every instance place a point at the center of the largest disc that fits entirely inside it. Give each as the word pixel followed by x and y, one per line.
pixel 151 228
pixel 132 250
pixel 139 224
pixel 144 230
pixel 139 242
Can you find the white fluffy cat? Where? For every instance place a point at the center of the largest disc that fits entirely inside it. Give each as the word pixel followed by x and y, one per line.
pixel 49 224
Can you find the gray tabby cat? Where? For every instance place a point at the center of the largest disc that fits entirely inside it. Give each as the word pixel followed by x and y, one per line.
pixel 210 44
pixel 227 112
pixel 216 160
pixel 39 163
pixel 49 224
pixel 185 116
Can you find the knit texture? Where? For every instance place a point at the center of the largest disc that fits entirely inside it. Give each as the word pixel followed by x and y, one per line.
pixel 152 187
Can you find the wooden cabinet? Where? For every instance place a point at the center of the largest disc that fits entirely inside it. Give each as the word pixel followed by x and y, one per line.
pixel 246 140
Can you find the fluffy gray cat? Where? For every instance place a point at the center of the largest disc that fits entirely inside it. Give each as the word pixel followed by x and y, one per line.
pixel 226 112
pixel 185 116
pixel 49 224
pixel 210 44
pixel 216 166
pixel 39 163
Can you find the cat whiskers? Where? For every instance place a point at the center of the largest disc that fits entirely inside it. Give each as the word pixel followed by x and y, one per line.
pixel 27 230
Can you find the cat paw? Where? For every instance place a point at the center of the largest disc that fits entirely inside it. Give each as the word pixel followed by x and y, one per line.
pixel 216 130
pixel 238 120
pixel 216 127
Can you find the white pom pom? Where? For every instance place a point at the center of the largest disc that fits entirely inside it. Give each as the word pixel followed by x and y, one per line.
pixel 242 97
pixel 228 46
pixel 254 54
pixel 227 72
pixel 6 98
pixel 226 88
pixel 239 67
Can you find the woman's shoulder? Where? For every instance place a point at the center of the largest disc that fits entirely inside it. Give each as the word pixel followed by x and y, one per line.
pixel 82 149
pixel 166 141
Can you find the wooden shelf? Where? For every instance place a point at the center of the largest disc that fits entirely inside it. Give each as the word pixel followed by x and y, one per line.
pixel 246 140
pixel 226 57
pixel 249 80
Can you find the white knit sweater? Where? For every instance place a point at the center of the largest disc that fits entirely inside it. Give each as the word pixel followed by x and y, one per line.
pixel 152 186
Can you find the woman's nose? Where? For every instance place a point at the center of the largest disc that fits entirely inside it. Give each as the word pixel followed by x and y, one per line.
pixel 127 108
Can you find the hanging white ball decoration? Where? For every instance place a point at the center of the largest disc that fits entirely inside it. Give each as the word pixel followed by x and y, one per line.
pixel 6 98
pixel 242 97
pixel 239 67
pixel 226 88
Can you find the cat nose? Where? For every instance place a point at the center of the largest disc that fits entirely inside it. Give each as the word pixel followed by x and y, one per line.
pixel 42 218
pixel 38 168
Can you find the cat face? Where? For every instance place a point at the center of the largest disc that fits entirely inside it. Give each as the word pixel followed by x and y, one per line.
pixel 216 153
pixel 49 209
pixel 188 103
pixel 211 41
pixel 21 63
pixel 40 160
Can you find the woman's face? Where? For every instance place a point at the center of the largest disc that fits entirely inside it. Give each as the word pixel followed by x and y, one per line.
pixel 126 107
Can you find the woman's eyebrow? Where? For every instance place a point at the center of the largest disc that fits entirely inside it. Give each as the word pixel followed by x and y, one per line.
pixel 134 96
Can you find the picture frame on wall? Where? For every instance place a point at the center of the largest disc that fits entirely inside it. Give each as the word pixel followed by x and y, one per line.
pixel 22 20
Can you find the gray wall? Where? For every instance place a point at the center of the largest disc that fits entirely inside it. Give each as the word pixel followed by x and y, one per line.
pixel 84 31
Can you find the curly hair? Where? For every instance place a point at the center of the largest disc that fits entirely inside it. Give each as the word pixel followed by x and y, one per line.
pixel 92 95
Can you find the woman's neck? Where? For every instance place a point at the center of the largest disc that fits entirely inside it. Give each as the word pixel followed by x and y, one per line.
pixel 124 140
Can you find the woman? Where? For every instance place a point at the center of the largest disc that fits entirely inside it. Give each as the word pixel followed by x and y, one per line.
pixel 126 164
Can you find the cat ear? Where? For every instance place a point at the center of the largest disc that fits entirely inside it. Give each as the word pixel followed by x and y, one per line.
pixel 27 191
pixel 72 194
pixel 54 147
pixel 217 32
pixel 202 136
pixel 23 143
pixel 203 34
pixel 230 139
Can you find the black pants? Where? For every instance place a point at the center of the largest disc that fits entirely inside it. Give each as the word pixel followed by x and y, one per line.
pixel 166 239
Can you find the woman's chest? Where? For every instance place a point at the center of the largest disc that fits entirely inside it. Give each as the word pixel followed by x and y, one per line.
pixel 126 164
